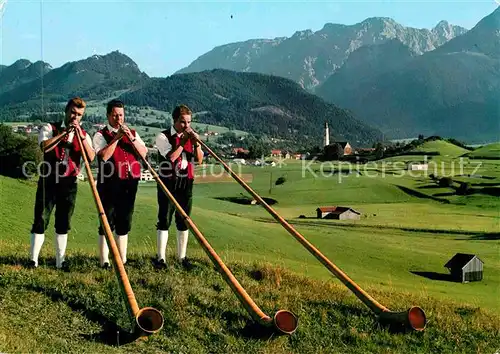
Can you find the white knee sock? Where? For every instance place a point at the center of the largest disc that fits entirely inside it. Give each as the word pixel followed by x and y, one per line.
pixel 182 241
pixel 103 250
pixel 61 240
pixel 161 243
pixel 121 242
pixel 35 246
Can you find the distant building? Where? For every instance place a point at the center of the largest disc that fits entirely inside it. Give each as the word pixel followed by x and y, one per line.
pixel 238 151
pixel 337 212
pixel 326 139
pixel 240 161
pixel 276 153
pixel 364 150
pixel 418 167
pixel 344 144
pixel 346 147
pixel 22 128
pixel 146 176
pixel 465 267
pixel 210 133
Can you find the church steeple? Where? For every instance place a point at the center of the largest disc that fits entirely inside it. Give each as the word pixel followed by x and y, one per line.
pixel 326 139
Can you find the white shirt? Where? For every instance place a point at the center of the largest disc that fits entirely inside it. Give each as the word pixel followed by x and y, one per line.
pixel 164 146
pixel 100 143
pixel 47 133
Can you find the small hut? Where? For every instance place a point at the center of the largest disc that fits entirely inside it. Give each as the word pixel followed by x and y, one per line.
pixel 338 213
pixel 465 267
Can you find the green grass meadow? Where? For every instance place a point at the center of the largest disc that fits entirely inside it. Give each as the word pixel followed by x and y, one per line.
pixel 491 151
pixel 409 228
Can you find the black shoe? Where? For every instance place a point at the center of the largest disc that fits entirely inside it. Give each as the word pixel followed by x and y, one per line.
pixel 106 265
pixel 64 266
pixel 31 265
pixel 186 263
pixel 160 264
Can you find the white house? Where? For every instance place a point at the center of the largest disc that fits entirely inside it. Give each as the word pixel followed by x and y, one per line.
pixel 418 167
pixel 146 176
pixel 240 161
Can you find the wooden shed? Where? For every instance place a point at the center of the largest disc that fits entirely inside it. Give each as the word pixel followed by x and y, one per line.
pixel 465 267
pixel 338 213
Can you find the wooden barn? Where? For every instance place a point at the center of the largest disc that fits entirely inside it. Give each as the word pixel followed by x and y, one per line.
pixel 337 212
pixel 465 267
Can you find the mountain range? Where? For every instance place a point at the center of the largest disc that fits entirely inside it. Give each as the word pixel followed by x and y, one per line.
pixel 309 58
pixel 94 77
pixel 21 72
pixel 403 81
pixel 450 91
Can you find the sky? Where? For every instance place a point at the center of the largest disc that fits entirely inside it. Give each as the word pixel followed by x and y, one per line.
pixel 164 36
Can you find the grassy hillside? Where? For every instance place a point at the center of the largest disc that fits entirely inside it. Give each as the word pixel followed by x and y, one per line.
pixel 490 151
pixel 83 310
pixel 442 147
pixel 396 252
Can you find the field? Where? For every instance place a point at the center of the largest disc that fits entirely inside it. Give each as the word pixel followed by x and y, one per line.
pixel 442 147
pixel 491 151
pixel 409 228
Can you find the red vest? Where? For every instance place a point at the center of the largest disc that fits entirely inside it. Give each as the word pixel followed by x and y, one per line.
pixel 173 170
pixel 125 164
pixel 57 156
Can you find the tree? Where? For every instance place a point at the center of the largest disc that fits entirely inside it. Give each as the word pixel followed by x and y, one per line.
pixel 446 182
pixel 15 151
pixel 257 150
pixel 333 152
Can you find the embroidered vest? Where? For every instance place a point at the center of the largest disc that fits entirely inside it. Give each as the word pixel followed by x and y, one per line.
pixel 64 159
pixel 174 169
pixel 123 163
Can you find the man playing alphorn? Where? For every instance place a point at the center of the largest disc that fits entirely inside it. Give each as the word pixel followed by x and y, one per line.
pixel 57 185
pixel 178 150
pixel 118 176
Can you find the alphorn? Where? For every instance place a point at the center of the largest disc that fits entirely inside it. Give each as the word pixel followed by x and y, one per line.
pixel 147 320
pixel 284 321
pixel 414 318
